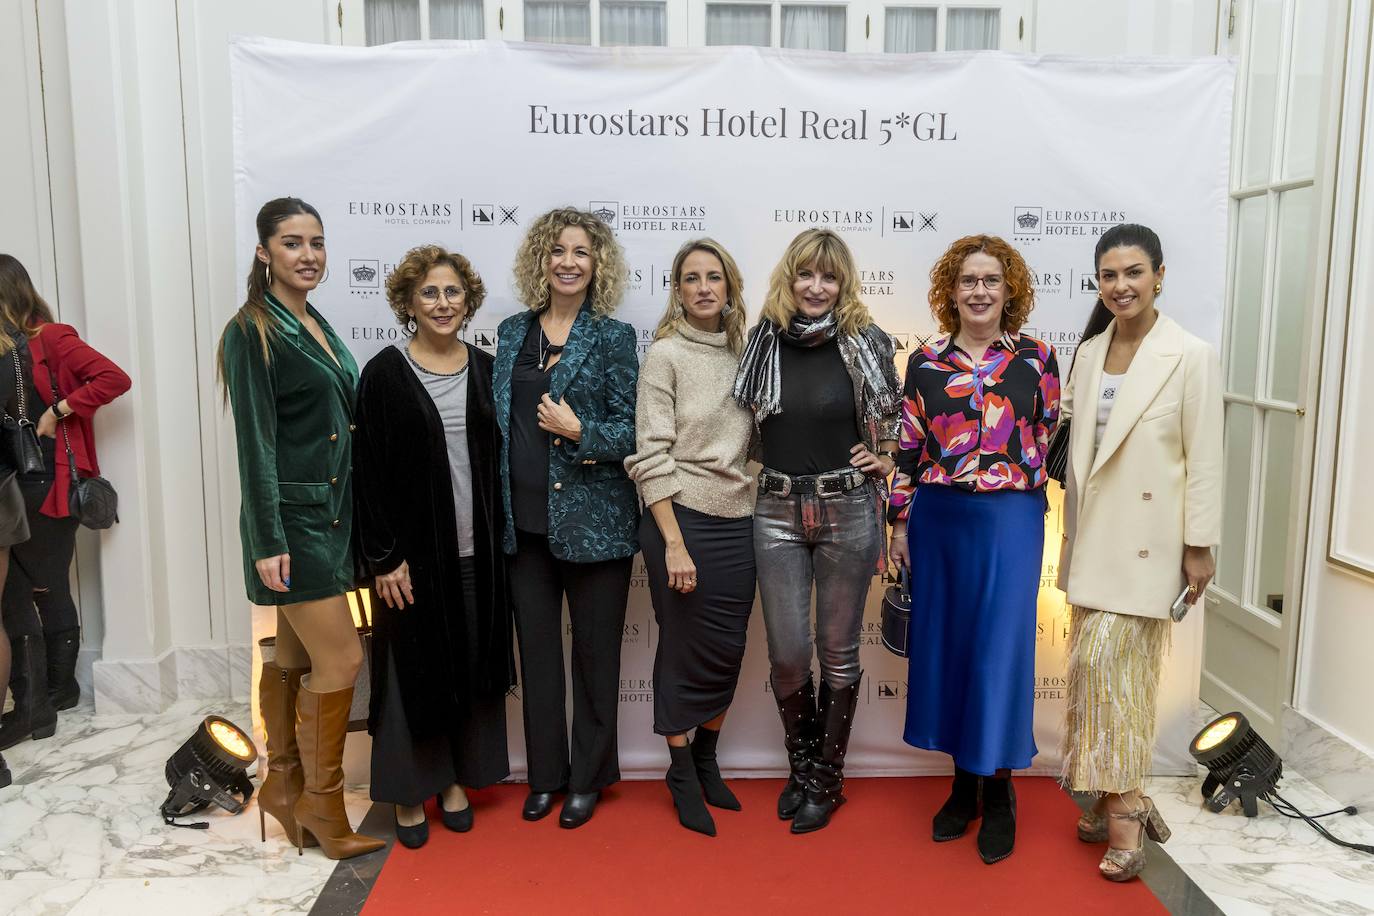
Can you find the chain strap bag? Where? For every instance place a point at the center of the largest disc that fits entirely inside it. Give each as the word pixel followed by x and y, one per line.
pixel 92 501
pixel 19 434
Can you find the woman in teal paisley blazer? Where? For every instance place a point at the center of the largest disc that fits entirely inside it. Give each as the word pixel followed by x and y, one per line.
pixel 290 381
pixel 564 385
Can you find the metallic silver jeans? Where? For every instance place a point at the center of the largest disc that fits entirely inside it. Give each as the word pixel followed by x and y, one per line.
pixel 833 542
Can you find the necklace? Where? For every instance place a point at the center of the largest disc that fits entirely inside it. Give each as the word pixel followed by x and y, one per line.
pixel 416 363
pixel 547 349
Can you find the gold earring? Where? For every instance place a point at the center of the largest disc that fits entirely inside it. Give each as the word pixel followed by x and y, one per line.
pixel 1158 287
pixel 267 269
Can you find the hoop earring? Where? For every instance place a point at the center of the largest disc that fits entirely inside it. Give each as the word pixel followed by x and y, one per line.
pixel 729 307
pixel 678 311
pixel 411 326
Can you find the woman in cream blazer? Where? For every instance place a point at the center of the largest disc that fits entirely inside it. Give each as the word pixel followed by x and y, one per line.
pixel 1141 515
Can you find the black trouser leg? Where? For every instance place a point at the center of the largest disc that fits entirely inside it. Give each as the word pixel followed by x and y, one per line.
pixel 597 593
pixel 537 594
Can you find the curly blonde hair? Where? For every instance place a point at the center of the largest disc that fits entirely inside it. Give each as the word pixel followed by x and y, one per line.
pixel 532 259
pixel 733 321
pixel 827 252
pixel 944 276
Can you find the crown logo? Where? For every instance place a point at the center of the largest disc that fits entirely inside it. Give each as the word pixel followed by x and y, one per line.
pixel 363 273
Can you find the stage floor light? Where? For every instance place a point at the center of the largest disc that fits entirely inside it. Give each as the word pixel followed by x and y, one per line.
pixel 211 768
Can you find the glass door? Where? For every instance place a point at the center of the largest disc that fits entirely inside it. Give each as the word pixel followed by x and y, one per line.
pixel 1281 99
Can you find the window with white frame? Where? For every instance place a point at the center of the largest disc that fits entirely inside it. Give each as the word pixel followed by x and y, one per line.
pixel 972 29
pixel 739 24
pixel 566 22
pixel 812 26
pixel 409 20
pixel 909 29
pixel 634 22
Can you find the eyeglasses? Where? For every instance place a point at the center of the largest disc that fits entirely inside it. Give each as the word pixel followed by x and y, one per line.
pixel 429 295
pixel 990 283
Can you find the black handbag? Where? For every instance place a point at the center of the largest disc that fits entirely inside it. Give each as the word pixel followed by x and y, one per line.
pixel 1057 454
pixel 20 435
pixel 92 501
pixel 896 616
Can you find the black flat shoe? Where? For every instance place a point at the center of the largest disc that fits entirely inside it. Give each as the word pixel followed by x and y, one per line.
pixel 412 837
pixel 577 809
pixel 460 821
pixel 537 806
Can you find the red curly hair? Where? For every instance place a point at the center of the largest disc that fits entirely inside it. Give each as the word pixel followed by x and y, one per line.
pixel 944 276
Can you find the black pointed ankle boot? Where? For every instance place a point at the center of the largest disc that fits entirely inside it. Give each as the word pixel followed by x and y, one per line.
pixel 825 783
pixel 717 793
pixel 33 715
pixel 962 806
pixel 686 789
pixel 62 650
pixel 5 776
pixel 997 835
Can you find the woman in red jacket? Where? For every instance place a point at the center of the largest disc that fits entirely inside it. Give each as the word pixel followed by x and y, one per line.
pixel 70 381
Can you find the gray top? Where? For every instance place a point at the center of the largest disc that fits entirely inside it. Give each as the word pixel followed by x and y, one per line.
pixel 450 396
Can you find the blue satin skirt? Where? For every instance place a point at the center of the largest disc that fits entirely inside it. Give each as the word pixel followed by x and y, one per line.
pixel 976 566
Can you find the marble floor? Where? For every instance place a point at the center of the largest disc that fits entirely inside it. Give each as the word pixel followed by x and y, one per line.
pixel 80 833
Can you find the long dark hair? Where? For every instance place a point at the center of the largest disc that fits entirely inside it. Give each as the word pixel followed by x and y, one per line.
pixel 1122 235
pixel 254 314
pixel 22 310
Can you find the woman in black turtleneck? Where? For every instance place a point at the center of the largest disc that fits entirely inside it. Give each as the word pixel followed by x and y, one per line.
pixel 819 376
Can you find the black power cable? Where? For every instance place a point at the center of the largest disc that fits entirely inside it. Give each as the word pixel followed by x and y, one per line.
pixel 1288 809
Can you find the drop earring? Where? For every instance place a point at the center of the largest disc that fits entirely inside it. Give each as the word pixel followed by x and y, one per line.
pixel 267 270
pixel 729 307
pixel 411 326
pixel 1158 288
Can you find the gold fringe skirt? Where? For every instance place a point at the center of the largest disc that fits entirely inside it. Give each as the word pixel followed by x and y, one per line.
pixel 1114 668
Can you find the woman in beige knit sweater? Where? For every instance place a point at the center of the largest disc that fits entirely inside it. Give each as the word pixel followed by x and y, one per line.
pixel 692 442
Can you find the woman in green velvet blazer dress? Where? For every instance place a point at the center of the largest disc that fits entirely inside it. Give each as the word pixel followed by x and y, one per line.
pixel 291 381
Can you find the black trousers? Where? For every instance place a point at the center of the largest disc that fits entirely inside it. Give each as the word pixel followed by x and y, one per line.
pixel 38 595
pixel 596 594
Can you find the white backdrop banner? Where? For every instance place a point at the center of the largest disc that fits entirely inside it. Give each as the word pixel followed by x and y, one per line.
pixel 462 144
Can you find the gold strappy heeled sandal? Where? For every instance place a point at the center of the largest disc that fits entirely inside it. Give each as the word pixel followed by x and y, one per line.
pixel 1092 827
pixel 1125 864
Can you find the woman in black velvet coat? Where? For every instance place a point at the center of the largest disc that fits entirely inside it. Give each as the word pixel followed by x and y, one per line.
pixel 428 523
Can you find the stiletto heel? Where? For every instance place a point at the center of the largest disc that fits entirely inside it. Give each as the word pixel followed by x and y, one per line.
pixel 262 823
pixel 300 840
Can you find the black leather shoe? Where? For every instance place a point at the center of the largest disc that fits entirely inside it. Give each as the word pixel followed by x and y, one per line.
pixel 413 837
pixel 5 777
pixel 577 809
pixel 461 821
pixel 537 806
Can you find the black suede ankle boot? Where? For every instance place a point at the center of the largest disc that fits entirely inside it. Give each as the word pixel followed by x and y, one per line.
pixel 713 787
pixel 686 789
pixel 997 835
pixel 953 818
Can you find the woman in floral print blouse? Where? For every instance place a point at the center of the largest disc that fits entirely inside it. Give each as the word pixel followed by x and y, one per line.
pixel 979 405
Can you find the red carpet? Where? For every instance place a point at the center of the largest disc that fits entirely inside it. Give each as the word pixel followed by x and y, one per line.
pixel 633 857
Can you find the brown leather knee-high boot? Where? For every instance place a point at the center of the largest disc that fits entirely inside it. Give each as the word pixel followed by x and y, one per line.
pixel 283 781
pixel 321 726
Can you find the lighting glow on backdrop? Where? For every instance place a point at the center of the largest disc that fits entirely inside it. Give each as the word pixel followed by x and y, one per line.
pixel 463 143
